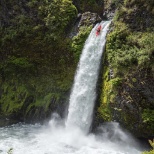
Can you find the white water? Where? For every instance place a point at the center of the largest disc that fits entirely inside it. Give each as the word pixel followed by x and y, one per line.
pixel 83 94
pixel 55 138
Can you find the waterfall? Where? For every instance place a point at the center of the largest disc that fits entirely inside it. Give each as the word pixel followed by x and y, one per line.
pixel 55 138
pixel 83 93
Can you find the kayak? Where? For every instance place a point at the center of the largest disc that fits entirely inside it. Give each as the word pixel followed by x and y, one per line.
pixel 98 30
pixel 97 33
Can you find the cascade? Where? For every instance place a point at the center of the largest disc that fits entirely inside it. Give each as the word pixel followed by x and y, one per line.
pixel 83 93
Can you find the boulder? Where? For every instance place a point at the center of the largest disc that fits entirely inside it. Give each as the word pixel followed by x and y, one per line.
pixel 88 19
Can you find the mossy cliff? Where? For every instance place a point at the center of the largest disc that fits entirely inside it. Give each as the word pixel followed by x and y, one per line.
pixel 38 59
pixel 128 74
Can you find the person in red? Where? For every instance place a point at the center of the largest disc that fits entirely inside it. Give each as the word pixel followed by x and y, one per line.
pixel 98 30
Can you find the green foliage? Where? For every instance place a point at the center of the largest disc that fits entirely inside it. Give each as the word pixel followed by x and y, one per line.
pixel 34 37
pixel 147 4
pixel 60 13
pixel 130 11
pixel 129 53
pixel 13 97
pixel 148 152
pixel 21 63
pixel 108 95
pixel 148 117
pixel 17 67
pixel 44 101
pixel 104 112
pixel 116 82
pixel 119 52
pixel 126 48
pixel 79 40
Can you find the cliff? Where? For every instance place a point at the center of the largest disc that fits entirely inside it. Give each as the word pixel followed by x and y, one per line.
pixel 128 69
pixel 37 64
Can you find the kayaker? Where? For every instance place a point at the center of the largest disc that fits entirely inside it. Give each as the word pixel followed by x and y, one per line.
pixel 98 29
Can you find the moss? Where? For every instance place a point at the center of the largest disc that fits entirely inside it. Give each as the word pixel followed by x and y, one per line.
pixel 36 59
pixel 13 98
pixel 126 48
pixel 20 96
pixel 79 40
pixel 116 82
pixel 148 152
pixel 43 102
pixel 148 118
pixel 134 79
pixel 107 97
pixel 127 79
pixel 60 13
pixel 130 12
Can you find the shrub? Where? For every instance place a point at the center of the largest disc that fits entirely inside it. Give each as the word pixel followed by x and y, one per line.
pixel 126 48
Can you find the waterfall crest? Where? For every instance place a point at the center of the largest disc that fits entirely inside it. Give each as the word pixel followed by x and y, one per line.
pixel 83 93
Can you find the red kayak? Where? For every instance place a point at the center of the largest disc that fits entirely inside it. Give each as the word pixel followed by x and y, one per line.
pixel 98 30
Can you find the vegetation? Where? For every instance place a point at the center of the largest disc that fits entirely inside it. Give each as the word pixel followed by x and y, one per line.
pixel 128 67
pixel 36 60
pixel 126 48
pixel 152 151
pixel 79 40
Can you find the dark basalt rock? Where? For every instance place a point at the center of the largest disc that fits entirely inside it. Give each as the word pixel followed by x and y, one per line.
pixel 86 19
pixel 89 19
pixel 133 100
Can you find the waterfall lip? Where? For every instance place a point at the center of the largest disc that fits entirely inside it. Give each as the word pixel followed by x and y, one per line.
pixel 83 94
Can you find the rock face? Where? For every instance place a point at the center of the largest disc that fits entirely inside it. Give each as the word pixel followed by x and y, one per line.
pixel 36 72
pixel 36 61
pixel 88 19
pixel 82 29
pixel 110 8
pixel 128 74
pixel 134 103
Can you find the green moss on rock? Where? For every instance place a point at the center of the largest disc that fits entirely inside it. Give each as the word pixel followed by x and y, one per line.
pixel 36 59
pixel 127 84
pixel 79 40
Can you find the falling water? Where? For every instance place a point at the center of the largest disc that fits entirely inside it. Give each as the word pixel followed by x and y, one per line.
pixel 83 94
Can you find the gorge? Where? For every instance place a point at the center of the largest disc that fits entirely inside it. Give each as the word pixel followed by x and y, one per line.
pixel 74 138
pixel 40 47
